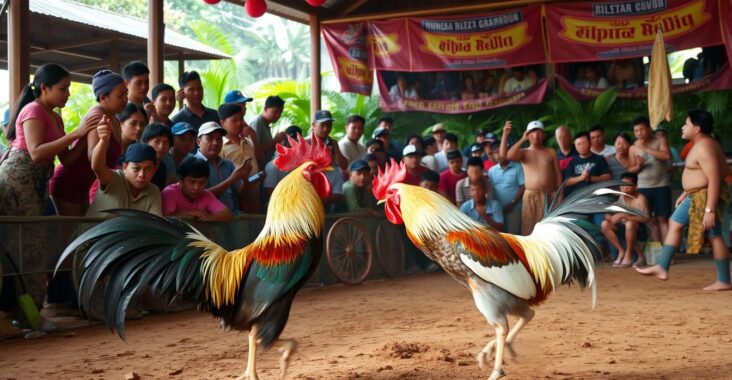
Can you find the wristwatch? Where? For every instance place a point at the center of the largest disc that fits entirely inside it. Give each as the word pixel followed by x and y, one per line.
pixel 708 210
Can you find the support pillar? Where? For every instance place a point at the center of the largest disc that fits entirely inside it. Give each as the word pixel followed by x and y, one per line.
pixel 155 41
pixel 315 79
pixel 18 48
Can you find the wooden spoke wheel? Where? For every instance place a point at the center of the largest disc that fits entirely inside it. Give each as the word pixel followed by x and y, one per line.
pixel 390 248
pixel 348 248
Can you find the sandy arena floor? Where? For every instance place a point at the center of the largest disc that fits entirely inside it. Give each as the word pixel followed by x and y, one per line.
pixel 421 327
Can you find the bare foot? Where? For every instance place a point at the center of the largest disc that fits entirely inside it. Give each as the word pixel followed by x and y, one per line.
pixel 655 270
pixel 719 286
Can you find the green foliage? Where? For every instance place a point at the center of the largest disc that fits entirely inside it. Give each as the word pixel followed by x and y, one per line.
pixel 80 101
pixel 578 115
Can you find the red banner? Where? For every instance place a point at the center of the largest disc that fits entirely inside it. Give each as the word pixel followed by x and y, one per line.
pixel 486 41
pixel 726 9
pixel 533 95
pixel 721 80
pixel 346 45
pixel 591 31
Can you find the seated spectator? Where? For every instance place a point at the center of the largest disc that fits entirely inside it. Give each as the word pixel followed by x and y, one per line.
pixel 225 181
pixel 625 73
pixel 158 136
pixel 321 129
pixel 474 173
pixel 488 87
pixel 163 98
pixel 593 79
pixel 194 112
pixel 184 141
pixel 454 173
pixel 481 208
pixel 133 120
pixel 357 190
pixel 507 181
pixel 630 227
pixel 450 143
pixel 430 180
pixel 128 187
pixel 412 162
pixel 189 197
pixel 430 148
pixel 518 81
pixel 272 174
pixel 469 91
pixel 373 163
pixel 350 144
pixel 240 146
pixel 401 91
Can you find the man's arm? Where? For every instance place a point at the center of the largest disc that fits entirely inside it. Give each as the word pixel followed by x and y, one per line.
pixel 636 161
pixel 709 164
pixel 239 173
pixel 99 154
pixel 662 153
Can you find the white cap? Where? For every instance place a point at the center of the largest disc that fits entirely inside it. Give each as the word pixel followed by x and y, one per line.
pixel 410 149
pixel 536 124
pixel 439 127
pixel 209 127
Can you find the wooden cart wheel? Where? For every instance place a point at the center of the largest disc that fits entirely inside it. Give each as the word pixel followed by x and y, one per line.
pixel 390 248
pixel 348 248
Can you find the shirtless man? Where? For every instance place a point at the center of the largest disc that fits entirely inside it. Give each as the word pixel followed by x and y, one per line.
pixel 702 201
pixel 629 225
pixel 541 171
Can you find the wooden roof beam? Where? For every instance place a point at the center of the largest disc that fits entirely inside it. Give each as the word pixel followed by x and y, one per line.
pixel 350 8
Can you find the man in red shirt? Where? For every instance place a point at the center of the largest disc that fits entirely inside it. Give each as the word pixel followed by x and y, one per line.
pixel 411 156
pixel 453 174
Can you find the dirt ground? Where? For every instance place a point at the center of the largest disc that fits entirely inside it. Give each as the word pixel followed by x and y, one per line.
pixel 421 327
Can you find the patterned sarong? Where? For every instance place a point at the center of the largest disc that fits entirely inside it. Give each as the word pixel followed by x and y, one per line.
pixel 532 210
pixel 695 237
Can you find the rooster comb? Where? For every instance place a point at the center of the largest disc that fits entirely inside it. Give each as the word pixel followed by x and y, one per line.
pixel 395 172
pixel 301 151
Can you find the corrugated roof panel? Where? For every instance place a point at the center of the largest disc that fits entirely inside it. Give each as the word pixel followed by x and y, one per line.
pixel 115 22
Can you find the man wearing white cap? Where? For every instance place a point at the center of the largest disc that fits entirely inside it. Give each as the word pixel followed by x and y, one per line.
pixel 439 132
pixel 541 171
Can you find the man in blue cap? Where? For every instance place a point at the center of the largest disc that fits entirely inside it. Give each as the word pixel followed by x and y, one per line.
pixel 184 141
pixel 357 190
pixel 128 187
pixel 236 97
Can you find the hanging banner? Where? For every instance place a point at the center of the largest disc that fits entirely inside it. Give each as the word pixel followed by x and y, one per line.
pixel 485 41
pixel 346 44
pixel 592 31
pixel 721 80
pixel 532 95
pixel 726 9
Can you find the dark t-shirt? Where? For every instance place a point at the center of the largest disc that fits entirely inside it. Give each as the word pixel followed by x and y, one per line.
pixel 596 164
pixel 189 117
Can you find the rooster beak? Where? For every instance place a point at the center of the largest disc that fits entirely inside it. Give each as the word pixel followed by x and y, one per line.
pixel 381 202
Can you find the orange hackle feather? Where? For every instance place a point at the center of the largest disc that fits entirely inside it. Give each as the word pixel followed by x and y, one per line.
pixel 395 172
pixel 301 151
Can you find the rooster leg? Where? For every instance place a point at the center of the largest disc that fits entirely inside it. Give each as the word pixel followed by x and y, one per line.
pixel 251 372
pixel 287 348
pixel 501 331
pixel 485 354
pixel 523 320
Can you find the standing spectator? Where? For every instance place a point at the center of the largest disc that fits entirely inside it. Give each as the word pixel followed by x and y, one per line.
pixel 321 128
pixel 387 123
pixel 384 135
pixel 701 205
pixel 439 132
pixel 128 187
pixel 541 171
pixel 430 148
pixel 349 145
pixel 236 97
pixel 133 120
pixel 159 137
pixel 620 162
pixel 491 145
pixel 272 174
pixel 36 136
pixel 628 226
pixel 271 113
pixel 357 190
pixel 597 142
pixel 651 155
pixel 189 197
pixel 474 173
pixel 483 209
pixel 240 145
pixel 450 143
pixel 507 180
pixel 194 112
pixel 586 168
pixel 225 180
pixel 430 180
pixel 163 98
pixel 373 163
pixel 412 162
pixel 184 141
pixel 454 173
pixel 137 79
pixel 565 147
pixel 72 181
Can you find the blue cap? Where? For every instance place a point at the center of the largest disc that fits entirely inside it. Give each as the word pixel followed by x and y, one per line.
pixel 358 165
pixel 6 117
pixel 182 127
pixel 235 96
pixel 321 116
pixel 105 81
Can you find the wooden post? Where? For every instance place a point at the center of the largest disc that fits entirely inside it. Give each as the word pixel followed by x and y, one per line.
pixel 18 48
pixel 314 65
pixel 181 70
pixel 155 41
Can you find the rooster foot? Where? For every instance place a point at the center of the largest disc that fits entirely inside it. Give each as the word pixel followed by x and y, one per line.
pixel 497 374
pixel 247 375
pixel 484 355
pixel 287 349
pixel 511 351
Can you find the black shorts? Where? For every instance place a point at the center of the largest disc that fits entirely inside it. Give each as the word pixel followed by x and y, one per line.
pixel 659 201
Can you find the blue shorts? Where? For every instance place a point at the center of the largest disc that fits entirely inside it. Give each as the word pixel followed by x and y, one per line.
pixel 681 216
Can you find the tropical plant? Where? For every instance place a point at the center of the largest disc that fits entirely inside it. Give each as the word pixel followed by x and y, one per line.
pixel 566 110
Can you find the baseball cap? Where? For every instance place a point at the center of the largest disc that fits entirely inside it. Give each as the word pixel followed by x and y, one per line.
pixel 210 126
pixel 536 124
pixel 358 165
pixel 490 137
pixel 378 132
pixel 479 132
pixel 410 149
pixel 321 116
pixel 453 154
pixel 438 127
pixel 476 148
pixel 182 127
pixel 235 96
pixel 138 152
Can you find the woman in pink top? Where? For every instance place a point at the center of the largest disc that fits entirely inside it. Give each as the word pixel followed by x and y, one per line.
pixel 38 137
pixel 71 182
